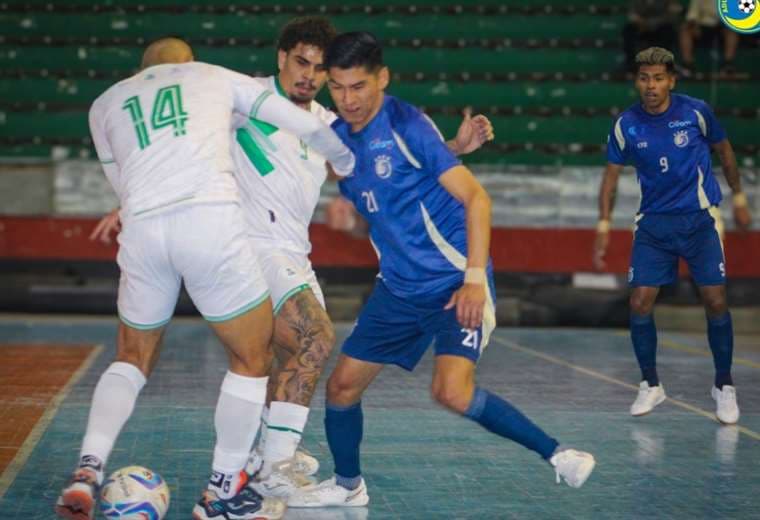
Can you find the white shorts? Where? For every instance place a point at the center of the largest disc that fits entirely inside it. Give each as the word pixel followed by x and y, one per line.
pixel 203 244
pixel 287 273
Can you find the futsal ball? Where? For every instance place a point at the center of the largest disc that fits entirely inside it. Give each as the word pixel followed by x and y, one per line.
pixel 134 493
pixel 746 6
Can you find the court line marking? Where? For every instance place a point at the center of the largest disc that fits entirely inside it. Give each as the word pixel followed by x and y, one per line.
pixel 603 377
pixel 700 351
pixel 25 450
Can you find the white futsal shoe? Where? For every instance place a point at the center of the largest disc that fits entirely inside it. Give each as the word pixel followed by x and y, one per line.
pixel 303 462
pixel 727 410
pixel 573 466
pixel 282 482
pixel 648 398
pixel 329 494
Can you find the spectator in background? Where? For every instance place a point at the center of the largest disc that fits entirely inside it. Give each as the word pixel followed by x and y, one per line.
pixel 651 23
pixel 703 27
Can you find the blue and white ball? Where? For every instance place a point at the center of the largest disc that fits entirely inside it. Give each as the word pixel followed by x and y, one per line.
pixel 746 6
pixel 134 493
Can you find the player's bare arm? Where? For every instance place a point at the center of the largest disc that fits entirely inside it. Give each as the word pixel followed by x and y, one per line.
pixel 607 194
pixel 725 151
pixel 473 133
pixel 471 297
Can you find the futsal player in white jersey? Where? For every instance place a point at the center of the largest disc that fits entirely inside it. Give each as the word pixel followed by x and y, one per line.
pixel 280 178
pixel 163 138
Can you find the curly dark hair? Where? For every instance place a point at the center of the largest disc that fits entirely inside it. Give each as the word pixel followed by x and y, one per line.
pixel 311 30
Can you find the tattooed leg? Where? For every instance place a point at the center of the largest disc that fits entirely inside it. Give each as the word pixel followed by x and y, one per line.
pixel 303 340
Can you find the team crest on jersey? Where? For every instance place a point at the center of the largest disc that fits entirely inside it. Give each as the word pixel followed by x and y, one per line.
pixel 681 138
pixel 742 16
pixel 383 166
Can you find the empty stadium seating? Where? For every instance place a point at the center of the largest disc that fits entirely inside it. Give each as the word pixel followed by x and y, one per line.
pixel 546 73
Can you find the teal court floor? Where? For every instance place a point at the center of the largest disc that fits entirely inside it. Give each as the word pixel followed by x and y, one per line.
pixel 421 462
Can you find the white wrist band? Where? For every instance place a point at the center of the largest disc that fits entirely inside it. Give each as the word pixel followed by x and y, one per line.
pixel 475 275
pixel 740 200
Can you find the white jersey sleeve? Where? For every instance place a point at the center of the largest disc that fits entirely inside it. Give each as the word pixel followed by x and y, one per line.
pixel 252 99
pixel 102 147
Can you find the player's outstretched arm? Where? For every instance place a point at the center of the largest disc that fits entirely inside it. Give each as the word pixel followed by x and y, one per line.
pixel 607 193
pixel 108 225
pixel 742 215
pixel 473 133
pixel 471 297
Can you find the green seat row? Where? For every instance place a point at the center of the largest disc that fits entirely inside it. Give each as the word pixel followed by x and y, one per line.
pixel 267 26
pixel 316 4
pixel 435 94
pixel 509 129
pixel 125 59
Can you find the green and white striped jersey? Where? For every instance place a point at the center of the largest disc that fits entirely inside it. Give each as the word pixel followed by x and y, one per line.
pixel 163 135
pixel 279 177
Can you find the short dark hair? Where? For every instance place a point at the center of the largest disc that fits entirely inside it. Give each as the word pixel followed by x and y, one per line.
pixel 354 49
pixel 310 30
pixel 656 56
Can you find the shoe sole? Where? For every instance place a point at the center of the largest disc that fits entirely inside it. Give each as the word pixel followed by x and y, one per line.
pixel 655 405
pixel 76 505
pixel 357 503
pixel 587 468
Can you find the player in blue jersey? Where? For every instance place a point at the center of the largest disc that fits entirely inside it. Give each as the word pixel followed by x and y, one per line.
pixel 430 221
pixel 668 137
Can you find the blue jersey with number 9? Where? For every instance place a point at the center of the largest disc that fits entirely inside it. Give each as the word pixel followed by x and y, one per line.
pixel 671 154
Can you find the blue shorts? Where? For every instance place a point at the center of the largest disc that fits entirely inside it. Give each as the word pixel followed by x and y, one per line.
pixel 393 330
pixel 660 240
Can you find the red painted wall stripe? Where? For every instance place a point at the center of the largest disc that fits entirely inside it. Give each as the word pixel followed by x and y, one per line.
pixel 529 250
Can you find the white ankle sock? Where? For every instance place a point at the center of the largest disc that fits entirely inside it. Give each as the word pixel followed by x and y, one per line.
pixel 237 418
pixel 112 404
pixel 284 431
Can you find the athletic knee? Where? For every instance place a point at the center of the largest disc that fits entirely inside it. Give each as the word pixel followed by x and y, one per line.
pixel 641 304
pixel 715 305
pixel 342 391
pixel 452 395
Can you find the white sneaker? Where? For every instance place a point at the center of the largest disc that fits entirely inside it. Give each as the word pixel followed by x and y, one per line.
pixel 572 465
pixel 327 494
pixel 281 482
pixel 648 398
pixel 727 411
pixel 303 462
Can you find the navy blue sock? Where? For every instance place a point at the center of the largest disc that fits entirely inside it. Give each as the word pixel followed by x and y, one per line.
pixel 644 338
pixel 498 416
pixel 344 427
pixel 720 335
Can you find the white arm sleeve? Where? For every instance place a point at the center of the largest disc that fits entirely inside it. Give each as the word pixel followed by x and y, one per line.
pixel 102 146
pixel 252 99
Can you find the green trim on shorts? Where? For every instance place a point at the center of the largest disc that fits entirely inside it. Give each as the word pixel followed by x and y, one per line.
pixel 284 429
pixel 234 314
pixel 144 327
pixel 107 161
pixel 294 290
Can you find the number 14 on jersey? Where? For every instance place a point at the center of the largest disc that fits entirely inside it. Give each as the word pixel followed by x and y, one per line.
pixel 167 111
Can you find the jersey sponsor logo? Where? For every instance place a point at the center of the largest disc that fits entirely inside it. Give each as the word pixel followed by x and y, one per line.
pixel 742 16
pixel 383 166
pixel 679 124
pixel 642 144
pixel 681 138
pixel 379 144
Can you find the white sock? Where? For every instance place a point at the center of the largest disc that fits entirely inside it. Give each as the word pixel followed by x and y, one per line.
pixel 286 424
pixel 237 418
pixel 264 430
pixel 112 404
